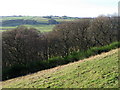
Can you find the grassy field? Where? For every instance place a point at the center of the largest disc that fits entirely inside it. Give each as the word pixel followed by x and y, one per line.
pixel 37 18
pixel 42 28
pixel 100 71
pixel 25 18
pixel 7 28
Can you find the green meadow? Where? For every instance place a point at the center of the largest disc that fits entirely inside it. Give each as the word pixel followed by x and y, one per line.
pixel 41 27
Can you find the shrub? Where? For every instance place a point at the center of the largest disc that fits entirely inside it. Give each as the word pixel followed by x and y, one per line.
pixel 106 48
pixel 90 52
pixel 72 57
pixel 55 61
pixel 36 66
pixel 14 71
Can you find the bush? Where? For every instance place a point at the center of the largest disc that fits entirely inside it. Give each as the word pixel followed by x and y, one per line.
pixel 106 48
pixel 72 57
pixel 38 65
pixel 91 52
pixel 55 61
pixel 14 71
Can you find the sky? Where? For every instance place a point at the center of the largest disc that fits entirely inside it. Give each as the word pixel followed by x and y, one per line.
pixel 73 8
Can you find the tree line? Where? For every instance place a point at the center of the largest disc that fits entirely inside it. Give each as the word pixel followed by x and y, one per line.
pixel 18 22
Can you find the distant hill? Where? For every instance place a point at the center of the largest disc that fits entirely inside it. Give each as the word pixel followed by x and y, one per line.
pixel 18 22
pixel 100 71
pixel 39 22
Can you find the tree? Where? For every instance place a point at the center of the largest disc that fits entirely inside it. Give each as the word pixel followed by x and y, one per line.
pixel 101 31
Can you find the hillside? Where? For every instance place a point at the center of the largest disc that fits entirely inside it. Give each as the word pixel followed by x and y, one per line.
pixel 43 24
pixel 100 71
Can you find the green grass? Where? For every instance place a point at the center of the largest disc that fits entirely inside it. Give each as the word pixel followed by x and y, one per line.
pixel 36 18
pixel 99 71
pixel 13 18
pixel 7 28
pixel 42 28
pixel 2 30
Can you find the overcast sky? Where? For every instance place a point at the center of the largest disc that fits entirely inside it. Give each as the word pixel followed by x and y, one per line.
pixel 75 8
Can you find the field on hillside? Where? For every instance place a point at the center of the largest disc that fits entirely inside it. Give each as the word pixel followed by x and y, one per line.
pixel 100 71
pixel 41 27
pixel 38 18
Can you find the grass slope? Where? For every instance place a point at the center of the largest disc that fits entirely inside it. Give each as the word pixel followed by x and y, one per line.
pixel 100 71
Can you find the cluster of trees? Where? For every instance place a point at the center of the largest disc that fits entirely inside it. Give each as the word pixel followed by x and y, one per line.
pixel 24 45
pixel 60 17
pixel 81 35
pixel 17 22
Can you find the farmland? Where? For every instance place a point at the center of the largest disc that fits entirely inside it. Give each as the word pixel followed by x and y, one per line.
pixel 43 27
